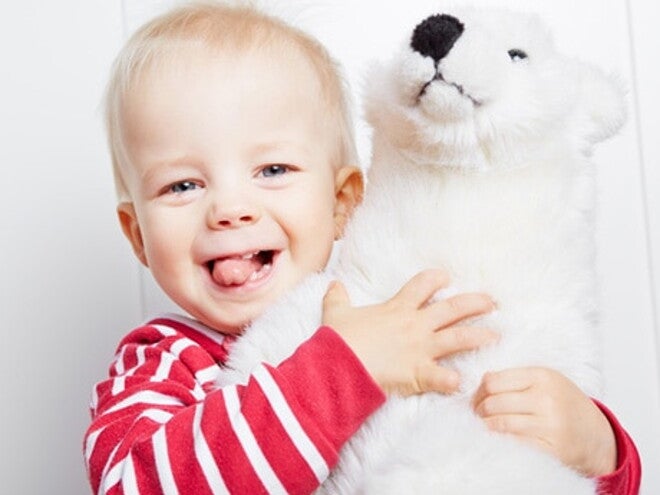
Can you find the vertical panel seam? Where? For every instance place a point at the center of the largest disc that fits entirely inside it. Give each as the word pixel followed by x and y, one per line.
pixel 639 137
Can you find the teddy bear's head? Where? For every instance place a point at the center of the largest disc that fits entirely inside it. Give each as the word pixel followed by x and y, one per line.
pixel 487 88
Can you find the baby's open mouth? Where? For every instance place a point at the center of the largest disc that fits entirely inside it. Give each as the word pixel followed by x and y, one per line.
pixel 241 269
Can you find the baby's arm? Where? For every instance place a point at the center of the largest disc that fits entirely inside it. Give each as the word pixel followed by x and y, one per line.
pixel 543 407
pixel 160 426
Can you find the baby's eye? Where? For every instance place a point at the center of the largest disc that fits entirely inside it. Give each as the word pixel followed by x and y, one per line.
pixel 274 170
pixel 182 187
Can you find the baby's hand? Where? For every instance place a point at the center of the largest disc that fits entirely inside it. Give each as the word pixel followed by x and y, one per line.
pixel 543 407
pixel 400 340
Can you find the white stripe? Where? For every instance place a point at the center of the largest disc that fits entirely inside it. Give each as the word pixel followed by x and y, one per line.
pixel 181 345
pixel 155 415
pixel 290 423
pixel 110 477
pixel 204 457
pixel 95 398
pixel 197 326
pixel 90 443
pixel 198 392
pixel 257 459
pixel 118 385
pixel 119 362
pixel 163 371
pixel 207 374
pixel 141 359
pixel 165 331
pixel 129 480
pixel 163 466
pixel 145 397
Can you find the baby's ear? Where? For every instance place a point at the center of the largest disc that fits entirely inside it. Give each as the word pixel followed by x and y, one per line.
pixel 602 104
pixel 131 228
pixel 349 189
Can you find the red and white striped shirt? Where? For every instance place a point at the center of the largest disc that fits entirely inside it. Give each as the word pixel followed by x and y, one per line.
pixel 161 426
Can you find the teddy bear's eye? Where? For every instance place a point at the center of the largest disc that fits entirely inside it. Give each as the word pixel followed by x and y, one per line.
pixel 517 54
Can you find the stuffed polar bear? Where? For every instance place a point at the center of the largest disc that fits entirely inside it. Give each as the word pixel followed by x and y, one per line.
pixel 482 134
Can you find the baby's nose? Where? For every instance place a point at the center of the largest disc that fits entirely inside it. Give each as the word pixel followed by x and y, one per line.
pixel 234 221
pixel 232 217
pixel 435 36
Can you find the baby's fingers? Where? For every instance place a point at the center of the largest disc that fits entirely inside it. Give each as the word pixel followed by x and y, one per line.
pixel 460 339
pixel 419 289
pixel 524 426
pixel 504 381
pixel 456 308
pixel 507 403
pixel 434 378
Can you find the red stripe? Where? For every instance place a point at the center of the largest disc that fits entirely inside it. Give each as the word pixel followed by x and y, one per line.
pixel 188 475
pixel 106 441
pixel 144 462
pixel 115 490
pixel 292 469
pixel 192 360
pixel 152 357
pixel 226 448
pixel 310 425
pixel 129 357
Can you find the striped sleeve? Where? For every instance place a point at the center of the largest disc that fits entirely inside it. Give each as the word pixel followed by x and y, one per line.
pixel 160 426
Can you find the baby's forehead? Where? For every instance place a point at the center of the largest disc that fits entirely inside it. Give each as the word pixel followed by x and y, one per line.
pixel 276 58
pixel 264 90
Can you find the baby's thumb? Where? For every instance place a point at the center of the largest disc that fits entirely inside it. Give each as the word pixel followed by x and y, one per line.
pixel 336 295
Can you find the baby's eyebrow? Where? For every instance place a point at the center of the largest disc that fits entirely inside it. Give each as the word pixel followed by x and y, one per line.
pixel 158 167
pixel 279 145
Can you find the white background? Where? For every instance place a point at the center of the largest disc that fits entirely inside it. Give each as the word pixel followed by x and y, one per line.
pixel 69 287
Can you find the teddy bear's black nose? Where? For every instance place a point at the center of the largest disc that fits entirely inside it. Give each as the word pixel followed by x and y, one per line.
pixel 435 35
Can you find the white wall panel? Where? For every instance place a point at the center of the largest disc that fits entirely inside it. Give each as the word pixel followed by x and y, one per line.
pixel 68 285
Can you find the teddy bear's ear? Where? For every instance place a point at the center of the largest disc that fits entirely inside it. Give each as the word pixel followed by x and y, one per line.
pixel 602 101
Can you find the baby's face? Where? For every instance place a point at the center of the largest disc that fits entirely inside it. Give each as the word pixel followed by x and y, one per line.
pixel 231 181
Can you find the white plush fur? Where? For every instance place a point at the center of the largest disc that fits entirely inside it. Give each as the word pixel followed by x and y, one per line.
pixel 495 185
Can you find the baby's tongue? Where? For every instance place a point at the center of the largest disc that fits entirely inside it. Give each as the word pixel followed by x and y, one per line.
pixel 235 271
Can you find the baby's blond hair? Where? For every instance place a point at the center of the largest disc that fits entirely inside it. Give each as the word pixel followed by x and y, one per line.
pixel 214 25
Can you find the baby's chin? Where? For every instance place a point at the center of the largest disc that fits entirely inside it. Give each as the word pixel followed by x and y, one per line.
pixel 225 324
pixel 234 328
